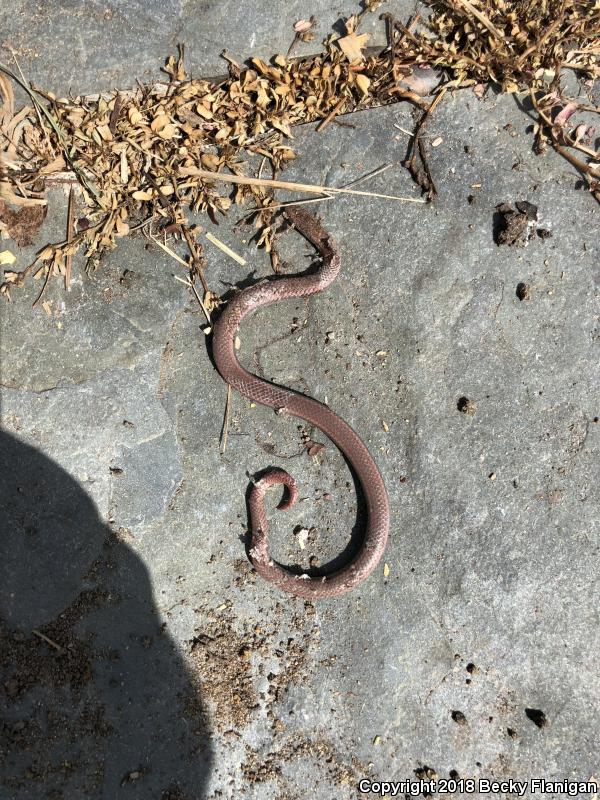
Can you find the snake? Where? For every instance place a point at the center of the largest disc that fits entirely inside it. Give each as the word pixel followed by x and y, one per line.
pixel 286 401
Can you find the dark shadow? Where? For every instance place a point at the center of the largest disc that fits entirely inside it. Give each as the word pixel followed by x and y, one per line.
pixel 96 701
pixel 339 27
pixel 525 105
pixel 498 226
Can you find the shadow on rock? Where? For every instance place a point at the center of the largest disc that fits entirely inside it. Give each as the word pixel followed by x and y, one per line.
pixel 96 700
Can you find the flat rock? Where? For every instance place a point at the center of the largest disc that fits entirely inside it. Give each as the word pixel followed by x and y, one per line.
pixel 479 403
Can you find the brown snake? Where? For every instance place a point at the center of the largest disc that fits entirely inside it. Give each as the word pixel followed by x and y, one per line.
pixel 290 402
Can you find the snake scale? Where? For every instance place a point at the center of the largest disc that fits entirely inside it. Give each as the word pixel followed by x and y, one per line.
pixel 287 401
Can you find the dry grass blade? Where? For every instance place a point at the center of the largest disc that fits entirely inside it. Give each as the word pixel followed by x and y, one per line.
pixel 227 250
pixel 201 303
pixel 332 114
pixel 483 19
pixel 169 251
pixel 368 176
pixel 48 640
pixel 244 180
pixel 304 202
pixel 49 269
pixel 70 229
pixel 226 415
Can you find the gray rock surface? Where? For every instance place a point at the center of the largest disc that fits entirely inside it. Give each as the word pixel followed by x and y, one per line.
pixel 490 606
pixel 95 46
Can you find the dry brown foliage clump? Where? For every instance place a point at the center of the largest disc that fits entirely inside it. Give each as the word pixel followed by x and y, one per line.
pixel 145 158
pixel 523 47
pixel 514 43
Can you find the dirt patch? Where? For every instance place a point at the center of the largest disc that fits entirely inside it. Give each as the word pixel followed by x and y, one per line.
pixel 22 224
pixel 30 660
pixel 220 660
pixel 227 664
pixel 259 767
pixel 44 678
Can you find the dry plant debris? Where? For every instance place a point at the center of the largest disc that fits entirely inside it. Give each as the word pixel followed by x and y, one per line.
pixel 143 160
pixel 513 43
pixel 522 47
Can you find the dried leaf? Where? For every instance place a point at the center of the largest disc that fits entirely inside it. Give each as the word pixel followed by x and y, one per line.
pixel 352 46
pixel 6 257
pixel 122 227
pixel 303 25
pixel 142 195
pixel 134 115
pixel 204 112
pixel 56 165
pixel 565 114
pixel 105 133
pixel 159 122
pixel 169 131
pixel 363 83
pixel 422 81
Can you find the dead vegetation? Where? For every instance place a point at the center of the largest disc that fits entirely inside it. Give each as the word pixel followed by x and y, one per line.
pixel 516 44
pixel 143 160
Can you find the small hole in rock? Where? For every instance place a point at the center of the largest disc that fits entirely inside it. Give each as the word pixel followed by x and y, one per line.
pixel 536 716
pixel 466 406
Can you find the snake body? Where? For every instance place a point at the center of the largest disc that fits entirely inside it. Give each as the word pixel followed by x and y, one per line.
pixel 290 402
